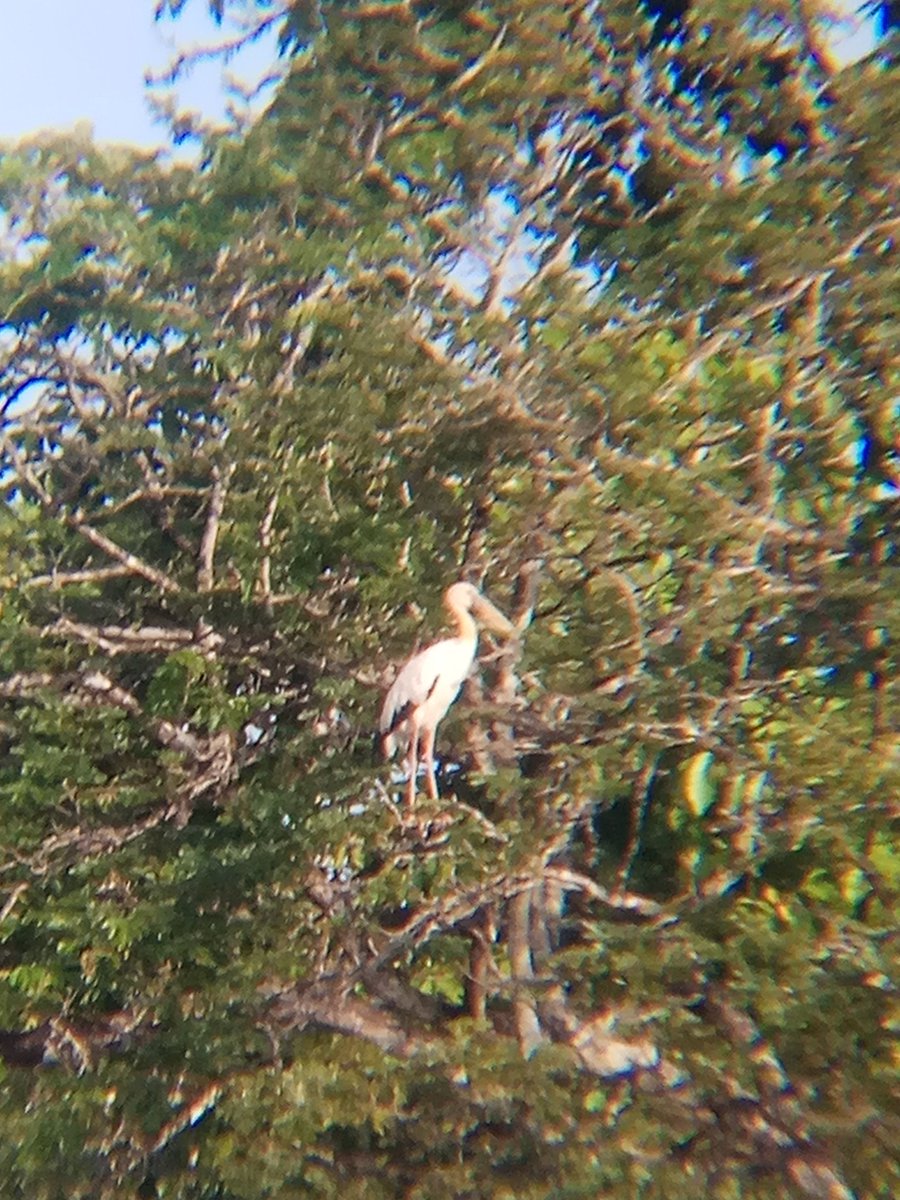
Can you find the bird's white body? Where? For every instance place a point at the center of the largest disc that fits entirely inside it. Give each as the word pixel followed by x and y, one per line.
pixel 430 681
pixel 426 687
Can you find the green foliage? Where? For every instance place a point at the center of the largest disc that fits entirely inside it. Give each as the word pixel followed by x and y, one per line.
pixel 604 290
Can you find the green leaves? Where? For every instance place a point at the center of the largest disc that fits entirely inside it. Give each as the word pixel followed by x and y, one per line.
pixel 256 415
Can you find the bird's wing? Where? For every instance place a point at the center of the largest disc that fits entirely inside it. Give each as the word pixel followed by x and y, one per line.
pixel 413 686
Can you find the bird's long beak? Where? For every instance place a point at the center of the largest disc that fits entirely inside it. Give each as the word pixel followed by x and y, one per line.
pixel 492 617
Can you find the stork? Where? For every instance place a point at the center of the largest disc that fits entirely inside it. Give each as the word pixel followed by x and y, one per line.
pixel 430 681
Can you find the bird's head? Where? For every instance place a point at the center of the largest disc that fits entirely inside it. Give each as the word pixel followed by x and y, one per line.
pixel 465 597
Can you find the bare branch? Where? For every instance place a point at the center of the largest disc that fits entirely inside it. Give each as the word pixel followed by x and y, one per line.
pixel 218 493
pixel 61 579
pixel 75 521
pixel 187 1116
pixel 25 684
pixel 148 639
pixel 136 565
pixel 573 881
pixel 264 579
pixel 480 64
pixel 168 733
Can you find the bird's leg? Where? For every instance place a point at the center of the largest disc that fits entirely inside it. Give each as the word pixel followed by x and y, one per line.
pixel 412 767
pixel 428 757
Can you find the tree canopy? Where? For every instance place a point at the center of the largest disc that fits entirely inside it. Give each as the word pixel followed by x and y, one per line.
pixel 593 306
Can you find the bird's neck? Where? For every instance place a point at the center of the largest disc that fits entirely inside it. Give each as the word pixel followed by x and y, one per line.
pixel 466 629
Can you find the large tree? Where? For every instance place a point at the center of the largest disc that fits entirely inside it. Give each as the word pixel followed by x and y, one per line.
pixel 594 306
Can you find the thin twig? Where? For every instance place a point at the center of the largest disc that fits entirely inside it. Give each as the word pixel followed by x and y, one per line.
pixel 61 579
pixel 264 578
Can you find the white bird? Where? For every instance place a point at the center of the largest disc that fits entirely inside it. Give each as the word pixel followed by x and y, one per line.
pixel 428 684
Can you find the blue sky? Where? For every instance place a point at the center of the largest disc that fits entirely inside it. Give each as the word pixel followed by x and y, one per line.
pixel 62 61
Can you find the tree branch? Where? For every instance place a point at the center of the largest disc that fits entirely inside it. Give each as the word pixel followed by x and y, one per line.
pixel 264 578
pixel 149 639
pixel 218 493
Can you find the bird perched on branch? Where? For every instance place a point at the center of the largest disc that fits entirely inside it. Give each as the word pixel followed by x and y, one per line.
pixel 428 684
